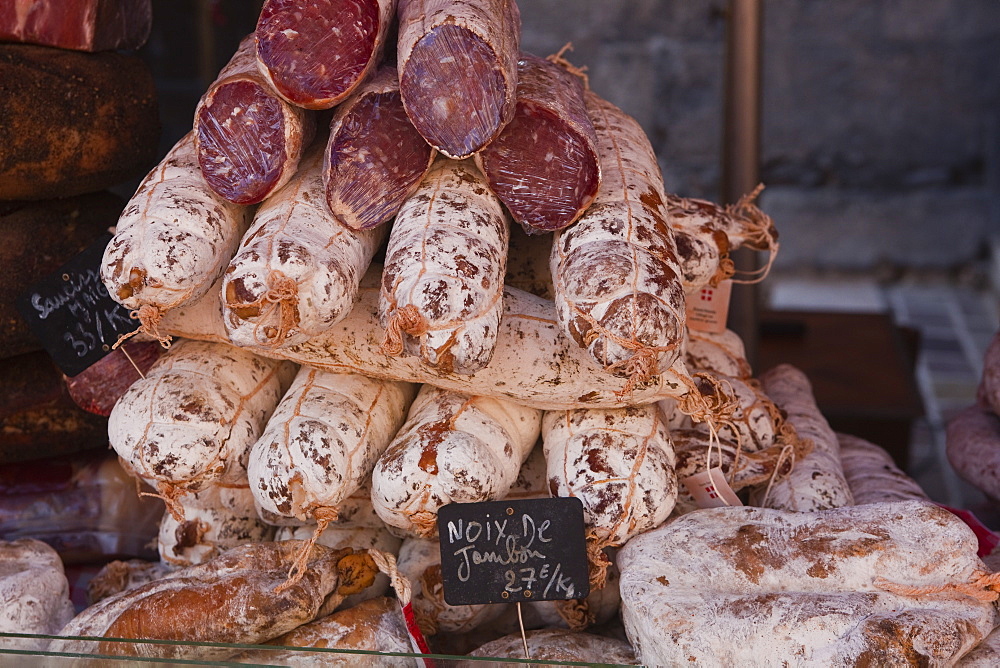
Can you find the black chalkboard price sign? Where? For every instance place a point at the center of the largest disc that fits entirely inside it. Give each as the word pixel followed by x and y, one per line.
pixel 513 551
pixel 72 314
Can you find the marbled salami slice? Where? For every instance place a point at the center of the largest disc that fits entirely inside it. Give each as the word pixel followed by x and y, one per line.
pixel 249 140
pixel 297 270
pixel 442 284
pixel 374 158
pixel 315 53
pixel 544 165
pixel 458 70
pixel 616 274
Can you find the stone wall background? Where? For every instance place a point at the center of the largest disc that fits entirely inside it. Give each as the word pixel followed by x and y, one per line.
pixel 881 118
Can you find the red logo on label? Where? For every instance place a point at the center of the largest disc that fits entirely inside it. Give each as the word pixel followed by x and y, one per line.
pixel 710 489
pixel 706 295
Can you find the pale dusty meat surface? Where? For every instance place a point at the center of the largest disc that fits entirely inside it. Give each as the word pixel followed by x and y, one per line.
pixel 534 363
pixel 34 593
pixel 174 238
pixel 442 284
pixel 453 448
pixel 759 587
pixel 322 441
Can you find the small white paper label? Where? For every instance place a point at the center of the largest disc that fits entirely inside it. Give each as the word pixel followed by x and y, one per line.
pixel 708 308
pixel 710 489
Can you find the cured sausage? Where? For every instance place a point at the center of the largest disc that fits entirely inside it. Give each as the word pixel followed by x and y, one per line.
pixel 249 140
pixel 706 232
pixel 533 364
pixel 728 586
pixel 452 448
pixel 236 598
pixel 616 273
pixel 215 519
pixel 97 388
pixel 322 441
pixel 174 239
pixel 374 157
pixel 817 480
pixel 73 122
pixel 315 53
pixel 620 463
pixel 544 165
pixel 84 25
pixel 442 284
pixel 873 475
pixel 191 421
pixel 972 444
pixel 297 270
pixel 458 70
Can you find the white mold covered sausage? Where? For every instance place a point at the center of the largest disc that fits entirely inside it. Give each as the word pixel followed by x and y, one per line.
pixel 442 284
pixel 297 269
pixel 322 441
pixel 215 519
pixel 173 240
pixel 619 462
pixel 452 448
pixel 191 421
pixel 534 364
pixel 817 481
pixel 616 273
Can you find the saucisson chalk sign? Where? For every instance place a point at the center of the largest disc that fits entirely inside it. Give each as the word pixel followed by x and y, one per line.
pixel 513 551
pixel 72 314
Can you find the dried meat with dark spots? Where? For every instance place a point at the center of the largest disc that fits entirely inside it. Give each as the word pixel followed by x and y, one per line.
pixel 374 157
pixel 534 363
pixel 637 313
pixel 619 462
pixel 216 519
pixel 840 587
pixel 297 272
pixel 452 448
pixel 316 53
pixel 443 311
pixel 817 481
pixel 706 233
pixel 175 243
pixel 458 70
pixel 249 140
pixel 322 441
pixel 544 165
pixel 230 394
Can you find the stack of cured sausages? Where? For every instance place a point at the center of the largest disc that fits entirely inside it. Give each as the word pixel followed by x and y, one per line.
pixel 397 275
